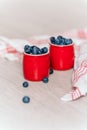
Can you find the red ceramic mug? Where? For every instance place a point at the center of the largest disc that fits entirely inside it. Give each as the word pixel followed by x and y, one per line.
pixel 36 67
pixel 62 56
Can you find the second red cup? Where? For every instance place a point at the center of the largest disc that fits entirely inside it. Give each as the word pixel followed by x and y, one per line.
pixel 62 57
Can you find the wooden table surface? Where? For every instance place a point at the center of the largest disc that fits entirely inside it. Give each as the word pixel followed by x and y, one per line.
pixel 45 111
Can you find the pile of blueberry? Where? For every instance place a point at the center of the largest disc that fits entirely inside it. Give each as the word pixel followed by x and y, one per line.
pixel 35 50
pixel 60 40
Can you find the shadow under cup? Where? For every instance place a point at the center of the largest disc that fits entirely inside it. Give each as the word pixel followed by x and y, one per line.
pixel 62 57
pixel 36 67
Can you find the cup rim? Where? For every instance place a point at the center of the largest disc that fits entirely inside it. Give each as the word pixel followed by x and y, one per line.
pixel 39 55
pixel 61 45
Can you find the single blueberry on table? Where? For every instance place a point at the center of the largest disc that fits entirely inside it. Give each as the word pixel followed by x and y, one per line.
pixel 25 84
pixel 45 80
pixel 51 71
pixel 26 99
pixel 52 40
pixel 44 50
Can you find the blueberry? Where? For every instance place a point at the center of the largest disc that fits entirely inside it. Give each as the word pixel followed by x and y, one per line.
pixel 68 41
pixel 26 99
pixel 59 37
pixel 52 39
pixel 39 50
pixel 51 71
pixel 32 48
pixel 45 80
pixel 36 50
pixel 44 50
pixel 26 46
pixel 27 49
pixel 25 84
pixel 62 42
pixel 57 41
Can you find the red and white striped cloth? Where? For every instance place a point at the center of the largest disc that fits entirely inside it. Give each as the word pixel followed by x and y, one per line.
pixel 79 76
pixel 12 49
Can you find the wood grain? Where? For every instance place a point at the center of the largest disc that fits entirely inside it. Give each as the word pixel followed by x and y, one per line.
pixel 45 111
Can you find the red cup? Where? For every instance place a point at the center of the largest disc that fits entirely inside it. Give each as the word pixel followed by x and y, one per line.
pixel 36 67
pixel 62 56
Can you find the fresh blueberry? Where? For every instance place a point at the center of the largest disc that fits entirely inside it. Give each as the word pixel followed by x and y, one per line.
pixel 27 49
pixel 57 41
pixel 52 39
pixel 59 37
pixel 45 80
pixel 36 50
pixel 68 41
pixel 25 84
pixel 51 71
pixel 44 50
pixel 32 48
pixel 39 50
pixel 62 42
pixel 26 99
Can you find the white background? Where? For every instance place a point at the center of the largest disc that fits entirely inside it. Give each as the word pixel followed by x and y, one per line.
pixel 24 18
